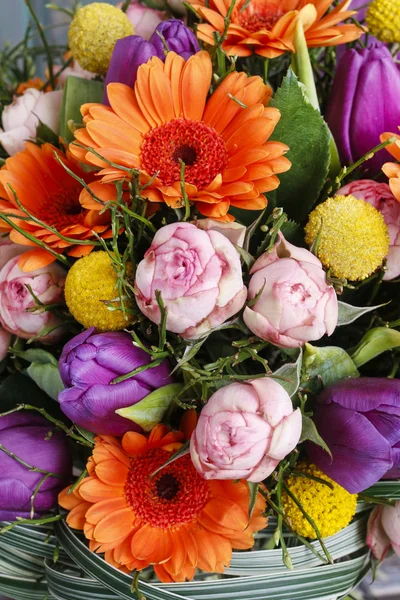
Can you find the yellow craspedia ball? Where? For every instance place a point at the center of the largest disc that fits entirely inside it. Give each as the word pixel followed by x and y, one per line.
pixel 330 509
pixel 383 20
pixel 90 287
pixel 93 32
pixel 353 237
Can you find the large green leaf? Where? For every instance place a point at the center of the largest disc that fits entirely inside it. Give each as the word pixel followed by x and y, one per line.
pixel 303 129
pixel 77 91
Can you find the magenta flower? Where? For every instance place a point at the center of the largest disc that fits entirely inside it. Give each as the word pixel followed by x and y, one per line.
pixel 359 419
pixel 89 363
pixel 27 436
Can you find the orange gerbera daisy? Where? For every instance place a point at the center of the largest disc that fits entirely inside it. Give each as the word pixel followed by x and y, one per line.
pixel 174 520
pixel 392 170
pixel 166 120
pixel 267 27
pixel 51 195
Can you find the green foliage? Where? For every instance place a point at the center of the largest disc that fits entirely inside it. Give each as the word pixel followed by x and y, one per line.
pixel 303 129
pixel 77 91
pixel 309 432
pixel 323 366
pixel 44 371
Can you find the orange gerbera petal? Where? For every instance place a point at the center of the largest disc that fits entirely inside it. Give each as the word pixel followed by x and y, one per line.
pixel 267 27
pixel 51 195
pixel 161 515
pixel 168 119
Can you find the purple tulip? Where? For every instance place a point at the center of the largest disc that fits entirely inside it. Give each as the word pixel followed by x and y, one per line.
pixel 359 419
pixel 129 53
pixel 177 36
pixel 89 363
pixel 132 51
pixel 26 435
pixel 363 104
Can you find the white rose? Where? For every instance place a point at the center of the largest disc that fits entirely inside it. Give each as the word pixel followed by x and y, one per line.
pixel 21 118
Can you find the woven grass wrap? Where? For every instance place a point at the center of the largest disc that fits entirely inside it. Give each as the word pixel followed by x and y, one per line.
pixel 53 561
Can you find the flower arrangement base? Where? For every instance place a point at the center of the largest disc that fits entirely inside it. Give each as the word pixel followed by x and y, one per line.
pixel 41 562
pixel 54 562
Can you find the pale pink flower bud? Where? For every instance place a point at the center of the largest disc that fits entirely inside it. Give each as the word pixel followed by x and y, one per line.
pixel 47 285
pixel 143 18
pixel 384 530
pixel 235 232
pixel 21 118
pixel 380 197
pixel 296 304
pixel 198 274
pixel 244 431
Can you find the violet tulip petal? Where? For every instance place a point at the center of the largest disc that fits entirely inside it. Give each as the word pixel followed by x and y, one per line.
pixel 129 53
pixel 388 425
pixel 339 111
pixel 361 455
pixel 362 395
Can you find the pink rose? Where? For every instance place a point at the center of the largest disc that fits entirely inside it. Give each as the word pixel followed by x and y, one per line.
pixel 384 530
pixel 233 231
pixel 21 118
pixel 47 285
pixel 381 198
pixel 296 304
pixel 198 274
pixel 244 431
pixel 143 18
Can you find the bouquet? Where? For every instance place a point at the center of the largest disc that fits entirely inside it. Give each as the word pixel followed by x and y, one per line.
pixel 199 279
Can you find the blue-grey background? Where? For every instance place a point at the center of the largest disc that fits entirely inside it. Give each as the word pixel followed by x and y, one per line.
pixel 13 21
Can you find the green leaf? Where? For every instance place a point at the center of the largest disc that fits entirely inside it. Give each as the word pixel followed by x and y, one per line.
pixel 326 365
pixel 149 411
pixel 310 432
pixel 45 134
pixel 182 451
pixel 303 129
pixel 37 355
pixel 253 489
pixel 77 91
pixel 19 388
pixel 374 343
pixel 47 377
pixel 348 314
pixel 288 376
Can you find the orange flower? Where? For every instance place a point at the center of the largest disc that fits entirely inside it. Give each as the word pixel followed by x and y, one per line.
pixel 50 194
pixel 36 83
pixel 392 170
pixel 175 520
pixel 167 119
pixel 267 27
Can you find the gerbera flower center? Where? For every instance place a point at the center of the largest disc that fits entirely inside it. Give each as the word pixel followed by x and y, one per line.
pixel 62 211
pixel 174 496
pixel 258 15
pixel 196 144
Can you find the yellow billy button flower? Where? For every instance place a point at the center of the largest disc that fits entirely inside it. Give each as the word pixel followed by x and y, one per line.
pixel 353 237
pixel 383 20
pixel 91 294
pixel 93 33
pixel 330 509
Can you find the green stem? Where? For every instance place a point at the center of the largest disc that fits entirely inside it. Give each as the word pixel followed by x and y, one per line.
pixel 20 521
pixel 35 493
pixel 311 522
pixel 44 41
pixel 27 465
pixel 301 65
pixel 46 415
pixel 183 191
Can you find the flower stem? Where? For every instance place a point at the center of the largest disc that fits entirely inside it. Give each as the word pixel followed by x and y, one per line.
pixel 45 43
